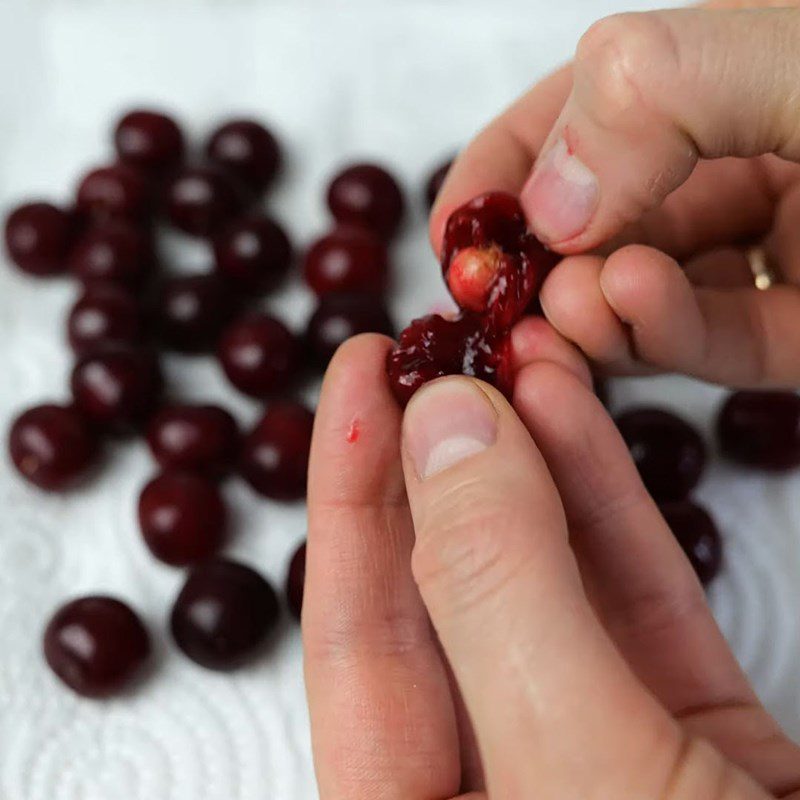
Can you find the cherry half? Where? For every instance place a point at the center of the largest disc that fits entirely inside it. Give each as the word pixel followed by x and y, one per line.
pixel 247 150
pixel 104 316
pixel 149 140
pixel 698 536
pixel 367 195
pixel 38 238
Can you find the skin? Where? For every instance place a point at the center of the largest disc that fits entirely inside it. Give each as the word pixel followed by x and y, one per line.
pixel 511 617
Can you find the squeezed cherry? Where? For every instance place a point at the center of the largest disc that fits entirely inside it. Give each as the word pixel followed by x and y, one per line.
pixel 118 190
pixel 38 238
pixel 190 312
pixel 149 140
pixel 117 389
pixel 182 517
pixel 247 150
pixel 348 259
pixel 259 354
pixel 340 316
pixel 253 253
pixel 52 446
pixel 195 438
pixel 96 645
pixel 104 316
pixel 224 612
pixel 761 429
pixel 368 196
pixel 295 581
pixel 274 456
pixel 436 181
pixel 668 452
pixel 698 536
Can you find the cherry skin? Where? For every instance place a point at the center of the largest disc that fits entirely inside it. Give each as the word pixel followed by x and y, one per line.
pixel 182 517
pixel 253 253
pixel 195 438
pixel 191 312
pixel 224 612
pixel 436 181
pixel 117 190
pixel 348 259
pixel 274 456
pixel 761 429
pixel 200 200
pixel 259 355
pixel 340 316
pixel 117 389
pixel 52 446
pixel 96 645
pixel 38 238
pixel 668 452
pixel 295 581
pixel 247 150
pixel 104 316
pixel 149 140
pixel 368 196
pixel 697 535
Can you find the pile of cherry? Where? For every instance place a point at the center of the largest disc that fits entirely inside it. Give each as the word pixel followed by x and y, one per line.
pixel 131 308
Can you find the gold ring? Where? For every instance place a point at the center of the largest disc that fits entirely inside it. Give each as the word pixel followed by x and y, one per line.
pixel 763 277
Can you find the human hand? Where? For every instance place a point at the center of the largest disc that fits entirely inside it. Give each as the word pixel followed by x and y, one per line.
pixel 569 627
pixel 677 129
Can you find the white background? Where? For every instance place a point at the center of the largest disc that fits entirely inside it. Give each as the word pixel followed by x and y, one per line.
pixel 402 82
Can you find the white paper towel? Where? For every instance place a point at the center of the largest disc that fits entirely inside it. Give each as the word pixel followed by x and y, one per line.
pixel 405 83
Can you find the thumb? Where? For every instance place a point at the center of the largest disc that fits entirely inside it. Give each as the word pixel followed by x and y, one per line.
pixel 652 93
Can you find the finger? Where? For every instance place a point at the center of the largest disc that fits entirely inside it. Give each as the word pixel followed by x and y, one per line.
pixel 383 723
pixel 783 245
pixel 721 268
pixel 651 94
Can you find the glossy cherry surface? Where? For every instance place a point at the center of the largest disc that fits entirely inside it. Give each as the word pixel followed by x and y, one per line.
pixel 295 581
pixel 200 200
pixel 366 195
pixel 253 253
pixel 104 316
pixel 224 612
pixel 668 452
pixel 435 182
pixel 149 140
pixel 52 446
pixel 761 429
pixel 259 354
pixel 348 259
pixel 117 389
pixel 96 645
pixel 246 149
pixel 698 536
pixel 38 238
pixel 182 517
pixel 274 456
pixel 196 438
pixel 340 316
pixel 118 190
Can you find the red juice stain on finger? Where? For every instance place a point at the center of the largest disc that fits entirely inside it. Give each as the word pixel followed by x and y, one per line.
pixel 354 431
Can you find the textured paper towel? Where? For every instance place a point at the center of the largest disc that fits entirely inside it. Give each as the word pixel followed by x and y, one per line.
pixel 404 82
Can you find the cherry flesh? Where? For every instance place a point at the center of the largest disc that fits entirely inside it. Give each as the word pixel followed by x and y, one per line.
pixel 149 140
pixel 435 183
pixel 368 196
pixel 295 581
pixel 698 536
pixel 117 191
pixel 247 150
pixel 104 316
pixel 38 238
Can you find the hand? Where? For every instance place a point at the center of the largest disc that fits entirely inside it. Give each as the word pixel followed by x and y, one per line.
pixel 566 623
pixel 626 154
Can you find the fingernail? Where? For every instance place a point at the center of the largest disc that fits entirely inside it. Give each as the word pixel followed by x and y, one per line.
pixel 561 196
pixel 447 422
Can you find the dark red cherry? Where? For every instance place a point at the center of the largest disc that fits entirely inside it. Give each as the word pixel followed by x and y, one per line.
pixel 368 196
pixel 149 140
pixel 104 316
pixel 38 238
pixel 698 535
pixel 96 645
pixel 436 181
pixel 668 452
pixel 295 581
pixel 348 259
pixel 117 389
pixel 190 312
pixel 195 438
pixel 274 457
pixel 118 191
pixel 200 200
pixel 52 446
pixel 259 354
pixel 340 316
pixel 182 517
pixel 432 347
pixel 113 252
pixel 253 253
pixel 224 612
pixel 247 150
pixel 761 429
